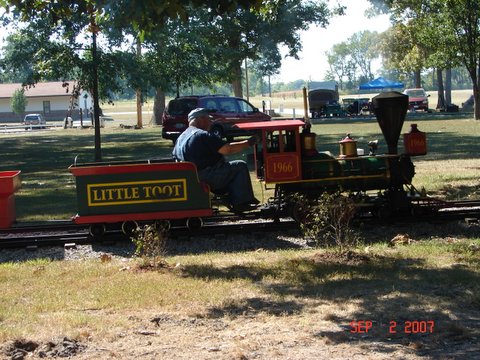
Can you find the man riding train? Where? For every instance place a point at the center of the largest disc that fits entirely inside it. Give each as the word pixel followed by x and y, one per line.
pixel 207 151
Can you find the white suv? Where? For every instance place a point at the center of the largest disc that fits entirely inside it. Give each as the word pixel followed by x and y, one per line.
pixel 34 119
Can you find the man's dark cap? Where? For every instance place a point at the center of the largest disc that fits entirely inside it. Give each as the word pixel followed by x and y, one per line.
pixel 198 113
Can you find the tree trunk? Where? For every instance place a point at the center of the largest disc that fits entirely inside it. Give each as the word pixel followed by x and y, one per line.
pixel 139 91
pixel 139 108
pixel 158 107
pixel 476 100
pixel 474 73
pixel 441 91
pixel 418 79
pixel 476 94
pixel 237 81
pixel 448 87
pixel 246 81
pixel 473 68
pixel 269 87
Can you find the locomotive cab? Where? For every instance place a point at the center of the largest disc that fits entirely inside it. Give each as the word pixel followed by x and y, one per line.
pixel 278 156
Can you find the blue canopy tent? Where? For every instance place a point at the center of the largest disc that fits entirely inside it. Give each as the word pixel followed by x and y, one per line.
pixel 381 83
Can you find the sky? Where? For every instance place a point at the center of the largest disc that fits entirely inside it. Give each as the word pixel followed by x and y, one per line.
pixel 313 64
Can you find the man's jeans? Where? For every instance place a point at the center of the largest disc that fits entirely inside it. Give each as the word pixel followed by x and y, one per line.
pixel 230 177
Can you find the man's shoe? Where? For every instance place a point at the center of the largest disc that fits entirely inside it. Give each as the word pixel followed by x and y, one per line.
pixel 255 201
pixel 241 208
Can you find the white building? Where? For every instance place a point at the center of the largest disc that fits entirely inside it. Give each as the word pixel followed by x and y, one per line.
pixel 54 100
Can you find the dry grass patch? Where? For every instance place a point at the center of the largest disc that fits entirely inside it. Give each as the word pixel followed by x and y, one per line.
pixel 247 302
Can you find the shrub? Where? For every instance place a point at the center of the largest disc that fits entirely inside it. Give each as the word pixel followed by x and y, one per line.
pixel 150 244
pixel 327 219
pixel 19 102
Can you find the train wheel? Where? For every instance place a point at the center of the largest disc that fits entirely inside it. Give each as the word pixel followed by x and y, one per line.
pixel 383 212
pixel 162 225
pixel 418 211
pixel 300 213
pixel 128 227
pixel 97 230
pixel 194 223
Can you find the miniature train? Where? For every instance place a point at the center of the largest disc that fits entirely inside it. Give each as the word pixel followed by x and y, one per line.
pixel 285 158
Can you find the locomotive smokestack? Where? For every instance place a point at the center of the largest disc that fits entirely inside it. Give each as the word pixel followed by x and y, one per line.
pixel 390 108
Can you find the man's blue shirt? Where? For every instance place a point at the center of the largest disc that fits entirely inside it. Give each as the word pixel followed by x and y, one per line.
pixel 198 146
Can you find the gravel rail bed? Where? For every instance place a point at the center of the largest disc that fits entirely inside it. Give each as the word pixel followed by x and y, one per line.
pixel 176 246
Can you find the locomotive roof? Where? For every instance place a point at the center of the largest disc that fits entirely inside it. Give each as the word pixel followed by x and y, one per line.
pixel 271 125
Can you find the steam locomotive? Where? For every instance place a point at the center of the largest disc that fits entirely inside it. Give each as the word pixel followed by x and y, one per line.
pixel 285 159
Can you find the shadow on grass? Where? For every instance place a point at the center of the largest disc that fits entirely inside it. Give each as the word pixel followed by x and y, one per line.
pixel 54 153
pixel 205 244
pixel 447 145
pixel 383 289
pixel 59 203
pixel 463 192
pixel 418 231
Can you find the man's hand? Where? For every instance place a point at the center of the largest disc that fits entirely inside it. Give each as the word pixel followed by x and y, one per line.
pixel 237 146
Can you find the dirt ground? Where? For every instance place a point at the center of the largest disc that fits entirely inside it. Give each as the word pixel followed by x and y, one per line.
pixel 432 322
pixel 248 336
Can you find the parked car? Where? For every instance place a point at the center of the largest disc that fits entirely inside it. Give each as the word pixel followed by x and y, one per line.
pixel 225 110
pixel 417 99
pixel 33 119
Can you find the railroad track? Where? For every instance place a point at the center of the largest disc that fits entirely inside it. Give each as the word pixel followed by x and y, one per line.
pixel 44 239
pixel 61 233
pixel 35 236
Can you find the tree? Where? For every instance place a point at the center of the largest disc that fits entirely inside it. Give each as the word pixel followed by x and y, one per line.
pixel 451 27
pixel 69 19
pixel 178 54
pixel 341 64
pixel 352 59
pixel 400 50
pixel 19 102
pixel 267 64
pixel 17 62
pixel 246 33
pixel 464 26
pixel 364 49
